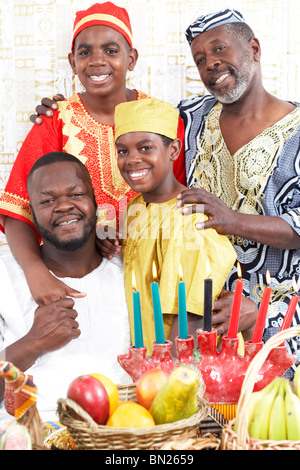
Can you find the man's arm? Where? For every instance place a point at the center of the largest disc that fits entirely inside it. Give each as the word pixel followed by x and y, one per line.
pixel 23 243
pixel 268 230
pixel 53 327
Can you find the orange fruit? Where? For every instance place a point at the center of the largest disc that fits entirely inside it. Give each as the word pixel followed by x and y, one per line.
pixel 121 403
pixel 111 389
pixel 132 415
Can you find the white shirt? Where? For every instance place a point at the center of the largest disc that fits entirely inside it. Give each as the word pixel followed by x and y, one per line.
pixel 103 322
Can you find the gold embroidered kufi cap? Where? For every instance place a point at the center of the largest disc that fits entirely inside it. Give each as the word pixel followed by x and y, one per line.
pixel 146 115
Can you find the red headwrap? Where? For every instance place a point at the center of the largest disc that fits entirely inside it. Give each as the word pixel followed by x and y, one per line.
pixel 106 14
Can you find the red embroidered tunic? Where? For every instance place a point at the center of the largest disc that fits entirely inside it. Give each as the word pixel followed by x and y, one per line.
pixel 74 130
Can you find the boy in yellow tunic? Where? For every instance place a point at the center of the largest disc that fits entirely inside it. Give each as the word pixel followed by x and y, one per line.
pixel 154 228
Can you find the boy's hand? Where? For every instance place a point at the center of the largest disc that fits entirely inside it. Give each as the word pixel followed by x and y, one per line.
pixel 46 288
pixel 221 318
pixel 45 108
pixel 109 246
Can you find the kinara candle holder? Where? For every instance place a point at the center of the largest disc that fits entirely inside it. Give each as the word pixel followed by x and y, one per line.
pixel 221 365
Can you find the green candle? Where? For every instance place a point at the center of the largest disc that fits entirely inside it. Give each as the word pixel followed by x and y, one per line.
pixel 182 313
pixel 137 318
pixel 158 318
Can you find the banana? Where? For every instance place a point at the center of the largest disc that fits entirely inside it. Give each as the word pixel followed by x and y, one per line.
pixel 297 381
pixel 277 424
pixel 258 426
pixel 253 399
pixel 292 407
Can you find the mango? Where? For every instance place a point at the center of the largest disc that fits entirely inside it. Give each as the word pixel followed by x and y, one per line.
pixel 177 399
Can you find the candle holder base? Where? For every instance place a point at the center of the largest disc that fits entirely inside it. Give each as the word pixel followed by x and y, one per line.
pixel 223 368
pixel 135 363
pixel 185 349
pixel 161 356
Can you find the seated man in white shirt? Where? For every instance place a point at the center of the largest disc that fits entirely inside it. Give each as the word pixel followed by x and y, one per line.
pixel 80 334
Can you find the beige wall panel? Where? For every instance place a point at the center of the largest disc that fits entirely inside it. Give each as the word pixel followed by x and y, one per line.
pixel 35 38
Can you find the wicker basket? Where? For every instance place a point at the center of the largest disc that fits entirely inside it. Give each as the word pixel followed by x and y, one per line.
pixel 88 435
pixel 240 440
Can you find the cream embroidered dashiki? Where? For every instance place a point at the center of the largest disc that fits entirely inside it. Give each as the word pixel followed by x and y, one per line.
pixel 263 177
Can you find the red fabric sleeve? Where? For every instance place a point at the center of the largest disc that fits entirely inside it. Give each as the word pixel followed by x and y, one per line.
pixel 40 140
pixel 179 164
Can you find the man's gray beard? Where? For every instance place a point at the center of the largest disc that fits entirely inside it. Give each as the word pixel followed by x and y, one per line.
pixel 242 83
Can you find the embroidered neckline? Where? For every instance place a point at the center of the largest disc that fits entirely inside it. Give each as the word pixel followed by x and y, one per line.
pixel 293 118
pixel 240 179
pixel 87 114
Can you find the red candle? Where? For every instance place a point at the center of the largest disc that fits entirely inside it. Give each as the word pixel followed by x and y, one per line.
pixel 236 306
pixel 288 317
pixel 262 313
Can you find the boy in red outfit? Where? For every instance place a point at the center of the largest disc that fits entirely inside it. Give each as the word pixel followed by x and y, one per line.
pixel 101 54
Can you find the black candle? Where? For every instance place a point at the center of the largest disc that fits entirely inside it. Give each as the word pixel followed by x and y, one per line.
pixel 207 315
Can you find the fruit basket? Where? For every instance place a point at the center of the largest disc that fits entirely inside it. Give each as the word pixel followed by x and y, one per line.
pixel 87 435
pixel 240 440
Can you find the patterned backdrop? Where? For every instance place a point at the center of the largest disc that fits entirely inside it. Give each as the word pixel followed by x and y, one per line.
pixel 35 37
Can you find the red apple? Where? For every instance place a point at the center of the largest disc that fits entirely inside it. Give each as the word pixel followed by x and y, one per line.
pixel 149 383
pixel 91 395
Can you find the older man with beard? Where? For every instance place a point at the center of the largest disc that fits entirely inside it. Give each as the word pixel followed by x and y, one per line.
pixel 57 342
pixel 243 162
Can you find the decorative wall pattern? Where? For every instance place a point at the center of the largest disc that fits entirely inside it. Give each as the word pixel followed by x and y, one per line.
pixel 35 37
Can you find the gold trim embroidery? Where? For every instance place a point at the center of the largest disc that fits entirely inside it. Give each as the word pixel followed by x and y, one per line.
pixel 100 140
pixel 240 179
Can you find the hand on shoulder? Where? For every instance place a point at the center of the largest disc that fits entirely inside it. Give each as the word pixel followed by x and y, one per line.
pixel 46 108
